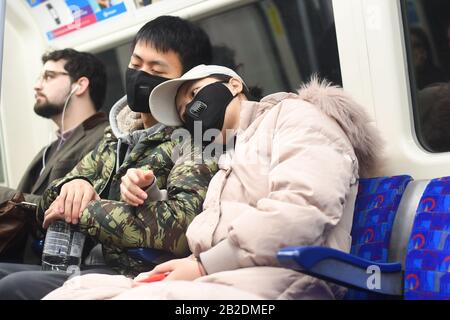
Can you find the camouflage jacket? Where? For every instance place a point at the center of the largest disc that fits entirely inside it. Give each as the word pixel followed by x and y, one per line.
pixel 186 183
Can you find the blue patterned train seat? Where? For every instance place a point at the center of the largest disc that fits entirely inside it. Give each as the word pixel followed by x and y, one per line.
pixel 375 209
pixel 427 265
pixel 376 206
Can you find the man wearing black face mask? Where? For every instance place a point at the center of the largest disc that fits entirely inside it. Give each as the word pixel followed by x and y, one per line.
pixel 139 85
pixel 136 152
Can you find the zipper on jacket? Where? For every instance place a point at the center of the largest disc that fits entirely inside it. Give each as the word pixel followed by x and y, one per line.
pixel 107 183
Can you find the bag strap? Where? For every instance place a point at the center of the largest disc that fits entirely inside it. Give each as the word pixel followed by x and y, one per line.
pixel 18 197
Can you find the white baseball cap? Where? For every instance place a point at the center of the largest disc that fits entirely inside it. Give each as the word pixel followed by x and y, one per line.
pixel 162 98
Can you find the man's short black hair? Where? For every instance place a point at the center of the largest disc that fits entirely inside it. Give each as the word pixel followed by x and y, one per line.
pixel 186 39
pixel 83 64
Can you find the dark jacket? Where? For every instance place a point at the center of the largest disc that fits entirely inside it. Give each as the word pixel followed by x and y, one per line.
pixel 85 137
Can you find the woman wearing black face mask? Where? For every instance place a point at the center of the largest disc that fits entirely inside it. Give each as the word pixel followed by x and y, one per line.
pixel 291 180
pixel 213 112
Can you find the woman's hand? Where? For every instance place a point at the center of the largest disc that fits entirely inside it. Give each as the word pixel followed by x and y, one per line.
pixel 179 269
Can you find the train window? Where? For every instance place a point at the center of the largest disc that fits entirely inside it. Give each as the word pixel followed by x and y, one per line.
pixel 114 70
pixel 276 44
pixel 427 33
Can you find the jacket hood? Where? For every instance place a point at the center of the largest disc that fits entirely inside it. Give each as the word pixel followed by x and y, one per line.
pixel 351 117
pixel 128 127
pixel 123 121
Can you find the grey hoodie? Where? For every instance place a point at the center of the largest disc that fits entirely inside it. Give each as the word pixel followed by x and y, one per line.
pixel 129 129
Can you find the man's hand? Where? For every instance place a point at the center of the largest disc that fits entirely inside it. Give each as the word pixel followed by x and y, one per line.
pixel 52 214
pixel 133 184
pixel 72 200
pixel 179 269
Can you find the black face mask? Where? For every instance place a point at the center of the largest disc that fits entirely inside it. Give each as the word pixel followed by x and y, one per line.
pixel 208 106
pixel 139 86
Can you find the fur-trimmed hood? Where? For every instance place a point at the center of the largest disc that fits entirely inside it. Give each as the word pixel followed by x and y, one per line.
pixel 351 117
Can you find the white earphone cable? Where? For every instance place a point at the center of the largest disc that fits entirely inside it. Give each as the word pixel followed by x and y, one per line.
pixel 64 115
pixel 62 129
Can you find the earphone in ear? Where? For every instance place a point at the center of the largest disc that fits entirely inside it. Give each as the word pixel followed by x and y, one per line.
pixel 77 86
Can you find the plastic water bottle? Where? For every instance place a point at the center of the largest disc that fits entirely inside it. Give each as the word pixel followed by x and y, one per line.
pixel 76 249
pixel 63 247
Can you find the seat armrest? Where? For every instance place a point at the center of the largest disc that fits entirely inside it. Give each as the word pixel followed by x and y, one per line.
pixel 344 269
